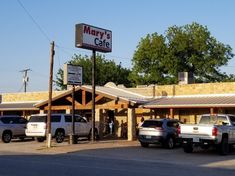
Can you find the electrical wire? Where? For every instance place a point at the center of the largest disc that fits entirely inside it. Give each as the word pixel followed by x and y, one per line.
pixel 34 21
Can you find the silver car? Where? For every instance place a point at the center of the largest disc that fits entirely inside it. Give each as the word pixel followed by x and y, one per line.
pixel 12 126
pixel 163 131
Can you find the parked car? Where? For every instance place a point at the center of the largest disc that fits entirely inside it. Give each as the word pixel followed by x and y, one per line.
pixel 12 126
pixel 163 131
pixel 216 130
pixel 61 126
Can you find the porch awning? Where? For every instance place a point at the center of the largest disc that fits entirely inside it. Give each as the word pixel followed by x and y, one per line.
pixel 192 102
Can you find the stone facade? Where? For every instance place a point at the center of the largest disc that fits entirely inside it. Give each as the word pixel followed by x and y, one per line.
pixel 26 97
pixel 186 89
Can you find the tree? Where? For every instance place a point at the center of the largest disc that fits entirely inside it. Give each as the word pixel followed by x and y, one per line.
pixel 190 48
pixel 106 71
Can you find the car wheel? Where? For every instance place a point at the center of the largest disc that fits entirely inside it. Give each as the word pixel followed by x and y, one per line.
pixel 6 137
pixel 40 139
pixel 170 143
pixel 188 148
pixel 224 146
pixel 59 136
pixel 143 144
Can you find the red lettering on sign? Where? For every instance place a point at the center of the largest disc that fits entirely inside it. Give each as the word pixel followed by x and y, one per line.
pixel 86 30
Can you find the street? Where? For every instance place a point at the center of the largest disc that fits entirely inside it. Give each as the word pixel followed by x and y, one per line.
pixel 110 158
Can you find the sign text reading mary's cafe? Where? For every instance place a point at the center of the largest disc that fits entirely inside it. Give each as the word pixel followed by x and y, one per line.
pixel 93 38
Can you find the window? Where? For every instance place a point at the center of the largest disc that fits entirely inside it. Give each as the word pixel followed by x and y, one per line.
pixel 55 118
pixel 152 124
pixel 68 118
pixel 6 120
pixel 38 119
pixel 22 121
pixel 232 119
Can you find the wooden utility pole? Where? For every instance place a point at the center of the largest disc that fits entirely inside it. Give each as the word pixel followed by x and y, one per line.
pixel 93 93
pixel 25 78
pixel 52 53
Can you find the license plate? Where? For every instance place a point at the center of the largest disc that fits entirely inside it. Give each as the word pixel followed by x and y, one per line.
pixel 195 139
pixel 148 137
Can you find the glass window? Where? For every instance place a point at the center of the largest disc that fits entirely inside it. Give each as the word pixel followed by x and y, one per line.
pixel 68 118
pixel 152 124
pixel 22 120
pixel 55 118
pixel 38 119
pixel 232 119
pixel 6 120
pixel 205 120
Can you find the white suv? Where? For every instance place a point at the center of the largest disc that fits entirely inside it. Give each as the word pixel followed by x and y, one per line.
pixel 61 126
pixel 12 126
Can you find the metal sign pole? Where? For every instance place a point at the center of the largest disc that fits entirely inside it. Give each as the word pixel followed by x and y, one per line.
pixel 93 93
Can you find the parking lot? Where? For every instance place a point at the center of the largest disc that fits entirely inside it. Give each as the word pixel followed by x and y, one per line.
pixel 123 150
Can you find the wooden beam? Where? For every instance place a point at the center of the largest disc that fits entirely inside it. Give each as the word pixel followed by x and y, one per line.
pixel 99 97
pixel 70 100
pixel 83 97
pixel 58 107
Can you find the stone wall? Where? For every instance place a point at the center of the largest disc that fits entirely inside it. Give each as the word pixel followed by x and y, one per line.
pixel 186 89
pixel 28 96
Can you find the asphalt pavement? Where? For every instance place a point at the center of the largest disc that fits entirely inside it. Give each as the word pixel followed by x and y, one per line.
pixel 116 157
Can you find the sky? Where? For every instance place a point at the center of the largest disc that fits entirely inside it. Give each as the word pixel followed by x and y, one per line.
pixel 26 33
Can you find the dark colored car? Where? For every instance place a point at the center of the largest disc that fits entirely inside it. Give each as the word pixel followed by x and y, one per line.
pixel 163 131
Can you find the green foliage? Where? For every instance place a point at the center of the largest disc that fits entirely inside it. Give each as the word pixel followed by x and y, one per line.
pixel 189 48
pixel 106 71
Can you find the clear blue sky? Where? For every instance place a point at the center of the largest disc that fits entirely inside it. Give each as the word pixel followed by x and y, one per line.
pixel 22 45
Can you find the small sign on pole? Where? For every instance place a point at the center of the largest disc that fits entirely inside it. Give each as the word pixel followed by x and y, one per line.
pixel 72 74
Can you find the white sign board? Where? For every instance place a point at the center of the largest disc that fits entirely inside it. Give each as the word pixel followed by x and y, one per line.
pixel 93 38
pixel 72 74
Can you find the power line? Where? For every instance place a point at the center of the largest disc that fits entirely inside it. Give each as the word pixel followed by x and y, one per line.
pixel 34 21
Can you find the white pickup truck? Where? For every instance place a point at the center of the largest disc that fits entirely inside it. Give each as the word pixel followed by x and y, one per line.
pixel 212 131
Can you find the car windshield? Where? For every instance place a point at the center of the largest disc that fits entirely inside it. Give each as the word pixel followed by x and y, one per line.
pixel 152 124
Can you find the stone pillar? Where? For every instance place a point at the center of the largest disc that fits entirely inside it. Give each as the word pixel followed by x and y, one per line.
pixel 99 121
pixel 211 110
pixel 41 111
pixel 131 122
pixel 171 113
pixel 68 111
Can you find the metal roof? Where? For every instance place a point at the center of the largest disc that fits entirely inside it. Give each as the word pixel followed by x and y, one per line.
pixel 112 92
pixel 192 101
pixel 18 106
pixel 119 93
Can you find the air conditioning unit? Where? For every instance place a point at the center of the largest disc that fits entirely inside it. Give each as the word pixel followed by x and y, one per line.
pixel 185 78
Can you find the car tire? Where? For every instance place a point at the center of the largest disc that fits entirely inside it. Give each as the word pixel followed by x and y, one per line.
pixel 188 148
pixel 40 139
pixel 59 136
pixel 224 146
pixel 170 143
pixel 6 136
pixel 143 144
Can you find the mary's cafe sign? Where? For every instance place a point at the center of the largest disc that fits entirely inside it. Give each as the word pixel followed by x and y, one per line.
pixel 93 38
